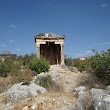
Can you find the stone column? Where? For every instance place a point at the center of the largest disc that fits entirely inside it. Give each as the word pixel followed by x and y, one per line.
pixel 62 54
pixel 38 50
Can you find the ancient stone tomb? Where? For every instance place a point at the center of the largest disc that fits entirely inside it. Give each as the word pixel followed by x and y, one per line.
pixel 51 47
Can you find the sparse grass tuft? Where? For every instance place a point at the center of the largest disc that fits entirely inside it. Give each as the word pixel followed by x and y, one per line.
pixel 21 76
pixel 90 81
pixel 49 84
pixel 4 83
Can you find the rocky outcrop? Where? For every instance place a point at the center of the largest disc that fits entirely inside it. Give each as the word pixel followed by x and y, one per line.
pixel 101 99
pixel 20 91
pixel 83 98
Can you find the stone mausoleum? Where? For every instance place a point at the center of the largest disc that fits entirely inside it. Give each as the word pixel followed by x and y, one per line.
pixel 51 47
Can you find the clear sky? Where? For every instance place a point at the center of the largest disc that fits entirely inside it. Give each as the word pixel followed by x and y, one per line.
pixel 85 23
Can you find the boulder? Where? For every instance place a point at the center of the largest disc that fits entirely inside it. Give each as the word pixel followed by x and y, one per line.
pixel 18 91
pixel 82 101
pixel 97 92
pixel 74 69
pixel 101 99
pixel 54 74
pixel 83 98
pixel 79 89
pixel 108 88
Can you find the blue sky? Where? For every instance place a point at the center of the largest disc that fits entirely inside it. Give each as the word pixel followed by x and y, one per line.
pixel 85 23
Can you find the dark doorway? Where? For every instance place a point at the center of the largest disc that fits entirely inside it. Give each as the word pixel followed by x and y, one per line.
pixel 52 52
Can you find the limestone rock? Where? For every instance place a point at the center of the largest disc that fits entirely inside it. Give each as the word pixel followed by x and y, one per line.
pixel 34 106
pixel 79 89
pixel 108 88
pixel 101 99
pixel 74 69
pixel 18 91
pixel 82 101
pixel 83 97
pixel 54 74
pixel 97 92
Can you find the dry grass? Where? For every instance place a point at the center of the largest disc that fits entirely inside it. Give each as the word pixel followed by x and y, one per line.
pixel 23 103
pixel 4 83
pixel 3 99
pixel 90 81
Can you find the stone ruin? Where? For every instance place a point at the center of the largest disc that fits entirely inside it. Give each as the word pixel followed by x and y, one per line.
pixel 51 47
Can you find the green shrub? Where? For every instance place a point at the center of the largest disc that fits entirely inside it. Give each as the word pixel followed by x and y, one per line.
pixel 49 84
pixel 80 64
pixel 101 66
pixel 68 61
pixel 45 82
pixel 4 69
pixel 39 65
pixel 9 65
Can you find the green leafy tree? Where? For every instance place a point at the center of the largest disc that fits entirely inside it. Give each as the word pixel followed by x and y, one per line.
pixel 101 65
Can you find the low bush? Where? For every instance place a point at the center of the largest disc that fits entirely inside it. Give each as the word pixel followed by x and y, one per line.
pixel 39 65
pixel 45 82
pixel 80 64
pixel 91 81
pixel 4 69
pixel 68 61
pixel 49 84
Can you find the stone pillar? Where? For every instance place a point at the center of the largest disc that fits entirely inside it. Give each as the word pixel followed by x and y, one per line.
pixel 38 50
pixel 62 54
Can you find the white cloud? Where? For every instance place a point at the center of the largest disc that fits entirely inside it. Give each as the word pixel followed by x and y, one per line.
pixel 104 43
pixel 103 5
pixel 88 52
pixel 79 54
pixel 12 25
pixel 3 45
pixel 84 54
pixel 18 49
pixel 11 41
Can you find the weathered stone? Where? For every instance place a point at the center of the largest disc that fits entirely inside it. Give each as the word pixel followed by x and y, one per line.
pixel 34 106
pixel 97 92
pixel 82 100
pixel 101 99
pixel 54 74
pixel 74 69
pixel 79 89
pixel 108 88
pixel 18 91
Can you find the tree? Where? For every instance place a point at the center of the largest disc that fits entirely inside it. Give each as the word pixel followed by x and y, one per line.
pixel 101 65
